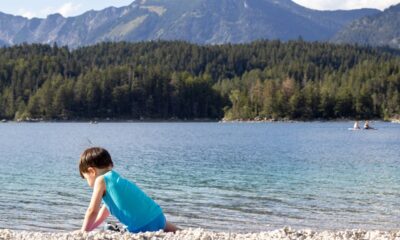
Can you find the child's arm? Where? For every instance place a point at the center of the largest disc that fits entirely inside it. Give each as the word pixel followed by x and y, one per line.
pixel 94 206
pixel 101 216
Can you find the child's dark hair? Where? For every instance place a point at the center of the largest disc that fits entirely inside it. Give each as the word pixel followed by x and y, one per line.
pixel 94 157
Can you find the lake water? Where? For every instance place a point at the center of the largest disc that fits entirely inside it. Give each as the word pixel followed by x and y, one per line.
pixel 225 177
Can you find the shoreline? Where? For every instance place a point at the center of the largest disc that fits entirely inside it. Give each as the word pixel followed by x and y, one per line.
pixel 96 121
pixel 201 234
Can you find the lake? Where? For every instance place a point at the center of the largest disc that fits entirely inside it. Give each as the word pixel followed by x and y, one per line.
pixel 239 177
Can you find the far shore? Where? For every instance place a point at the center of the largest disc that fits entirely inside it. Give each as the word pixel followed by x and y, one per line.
pixel 299 121
pixel 109 120
pixel 200 120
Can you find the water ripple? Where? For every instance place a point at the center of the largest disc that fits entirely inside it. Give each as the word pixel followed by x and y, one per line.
pixel 235 177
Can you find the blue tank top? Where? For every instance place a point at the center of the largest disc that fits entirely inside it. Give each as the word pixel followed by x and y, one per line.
pixel 128 203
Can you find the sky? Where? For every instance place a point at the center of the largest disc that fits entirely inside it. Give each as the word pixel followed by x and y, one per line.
pixel 346 4
pixel 42 8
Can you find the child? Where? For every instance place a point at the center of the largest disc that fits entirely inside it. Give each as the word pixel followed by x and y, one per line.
pixel 122 198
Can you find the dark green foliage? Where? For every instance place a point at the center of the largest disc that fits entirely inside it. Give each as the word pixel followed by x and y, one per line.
pixel 164 80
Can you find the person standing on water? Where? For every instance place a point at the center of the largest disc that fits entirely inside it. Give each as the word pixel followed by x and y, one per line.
pixel 356 126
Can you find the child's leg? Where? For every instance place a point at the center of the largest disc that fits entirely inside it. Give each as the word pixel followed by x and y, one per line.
pixel 169 227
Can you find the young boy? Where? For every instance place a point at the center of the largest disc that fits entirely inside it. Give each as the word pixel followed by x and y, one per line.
pixel 122 198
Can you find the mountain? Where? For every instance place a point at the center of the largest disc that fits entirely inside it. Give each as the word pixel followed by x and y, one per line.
pixel 379 29
pixel 198 21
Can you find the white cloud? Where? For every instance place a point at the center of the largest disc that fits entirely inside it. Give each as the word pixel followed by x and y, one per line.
pixel 26 13
pixel 346 4
pixel 46 11
pixel 67 9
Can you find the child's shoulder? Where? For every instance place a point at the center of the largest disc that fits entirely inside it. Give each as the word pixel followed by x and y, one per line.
pixel 100 180
pixel 111 176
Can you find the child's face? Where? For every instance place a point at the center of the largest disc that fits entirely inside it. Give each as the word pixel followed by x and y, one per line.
pixel 90 177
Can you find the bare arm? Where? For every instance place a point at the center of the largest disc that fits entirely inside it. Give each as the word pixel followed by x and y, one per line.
pixel 101 216
pixel 94 206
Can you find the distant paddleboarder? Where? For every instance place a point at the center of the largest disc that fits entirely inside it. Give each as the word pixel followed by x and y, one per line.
pixel 367 126
pixel 356 126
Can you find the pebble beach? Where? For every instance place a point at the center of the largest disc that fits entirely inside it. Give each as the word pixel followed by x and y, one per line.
pixel 201 234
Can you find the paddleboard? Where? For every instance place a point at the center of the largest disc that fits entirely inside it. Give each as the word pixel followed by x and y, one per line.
pixel 354 129
pixel 359 129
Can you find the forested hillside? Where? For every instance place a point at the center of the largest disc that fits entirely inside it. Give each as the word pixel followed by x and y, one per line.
pixel 164 80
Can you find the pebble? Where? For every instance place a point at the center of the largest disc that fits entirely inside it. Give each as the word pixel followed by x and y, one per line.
pixel 201 234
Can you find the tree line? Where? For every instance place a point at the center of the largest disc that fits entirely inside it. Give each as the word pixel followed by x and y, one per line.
pixel 179 80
